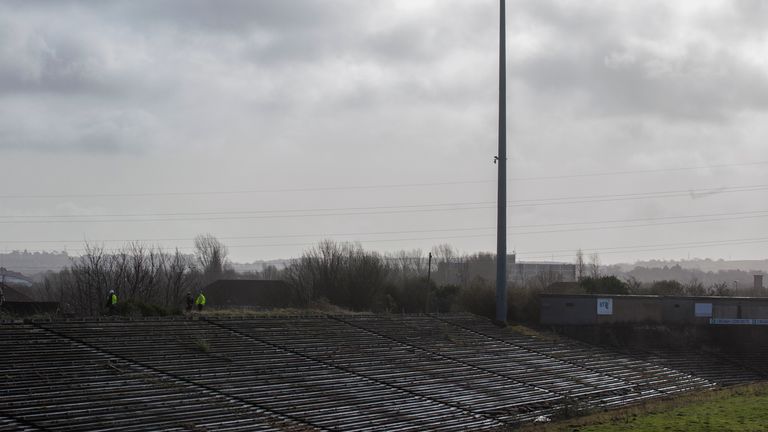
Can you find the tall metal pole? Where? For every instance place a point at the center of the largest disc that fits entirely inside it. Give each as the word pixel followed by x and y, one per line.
pixel 501 231
pixel 429 278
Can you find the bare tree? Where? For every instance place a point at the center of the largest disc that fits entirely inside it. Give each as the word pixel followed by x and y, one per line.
pixel 721 289
pixel 89 280
pixel 212 256
pixel 270 272
pixel 317 273
pixel 444 255
pixel 542 280
pixel 594 266
pixel 179 277
pixel 694 288
pixel 634 286
pixel 581 266
pixel 137 273
pixel 407 264
pixel 344 274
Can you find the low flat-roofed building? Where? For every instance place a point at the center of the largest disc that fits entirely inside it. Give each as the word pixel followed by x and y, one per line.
pixel 16 302
pixel 591 309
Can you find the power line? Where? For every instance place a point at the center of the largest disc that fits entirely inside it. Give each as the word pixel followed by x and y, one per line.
pixel 671 220
pixel 365 187
pixel 245 191
pixel 634 247
pixel 414 208
pixel 443 238
pixel 643 171
pixel 243 212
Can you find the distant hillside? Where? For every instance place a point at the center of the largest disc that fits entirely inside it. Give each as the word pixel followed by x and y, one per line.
pixel 260 265
pixel 32 263
pixel 740 278
pixel 708 265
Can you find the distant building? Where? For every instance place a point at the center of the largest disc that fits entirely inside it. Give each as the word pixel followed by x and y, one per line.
pixel 12 278
pixel 262 294
pixel 591 309
pixel 524 272
pixel 14 301
pixel 521 273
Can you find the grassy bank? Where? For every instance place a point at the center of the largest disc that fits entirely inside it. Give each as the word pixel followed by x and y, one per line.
pixel 742 409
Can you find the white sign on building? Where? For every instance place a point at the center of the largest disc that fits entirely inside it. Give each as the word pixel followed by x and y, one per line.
pixel 605 306
pixel 703 310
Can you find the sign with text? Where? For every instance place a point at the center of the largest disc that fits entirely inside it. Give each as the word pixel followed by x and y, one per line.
pixel 605 306
pixel 731 321
pixel 703 310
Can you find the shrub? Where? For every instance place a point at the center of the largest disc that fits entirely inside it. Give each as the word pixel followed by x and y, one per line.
pixel 667 287
pixel 604 285
pixel 479 298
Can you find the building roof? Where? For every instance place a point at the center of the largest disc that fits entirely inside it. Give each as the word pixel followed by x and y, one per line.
pixel 654 296
pixel 14 295
pixel 248 292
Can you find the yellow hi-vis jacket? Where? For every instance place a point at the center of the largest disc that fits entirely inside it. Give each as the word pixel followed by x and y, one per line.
pixel 200 300
pixel 113 299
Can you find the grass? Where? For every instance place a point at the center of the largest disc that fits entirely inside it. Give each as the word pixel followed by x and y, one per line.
pixel 202 344
pixel 314 309
pixel 741 408
pixel 531 332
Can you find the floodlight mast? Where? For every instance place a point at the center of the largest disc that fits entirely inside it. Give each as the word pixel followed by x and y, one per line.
pixel 501 160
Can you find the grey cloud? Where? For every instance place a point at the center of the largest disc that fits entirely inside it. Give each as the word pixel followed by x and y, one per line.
pixel 54 63
pixel 639 74
pixel 699 85
pixel 196 49
pixel 226 15
pixel 239 15
pixel 121 132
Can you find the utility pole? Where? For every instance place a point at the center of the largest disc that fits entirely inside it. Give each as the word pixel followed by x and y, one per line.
pixel 429 268
pixel 501 160
pixel 429 278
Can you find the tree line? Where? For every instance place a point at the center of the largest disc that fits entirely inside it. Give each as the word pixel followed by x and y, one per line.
pixel 142 276
pixel 340 274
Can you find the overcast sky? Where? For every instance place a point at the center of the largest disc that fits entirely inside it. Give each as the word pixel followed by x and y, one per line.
pixel 275 123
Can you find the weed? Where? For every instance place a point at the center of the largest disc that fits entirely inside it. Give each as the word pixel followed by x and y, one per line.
pixel 202 344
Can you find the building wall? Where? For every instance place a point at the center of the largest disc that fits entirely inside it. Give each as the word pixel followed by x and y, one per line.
pixel 575 310
pixel 462 273
pixel 583 309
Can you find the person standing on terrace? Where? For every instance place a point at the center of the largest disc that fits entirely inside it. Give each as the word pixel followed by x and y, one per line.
pixel 200 301
pixel 190 302
pixel 111 301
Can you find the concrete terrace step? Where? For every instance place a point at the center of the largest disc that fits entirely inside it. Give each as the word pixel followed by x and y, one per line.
pixel 350 373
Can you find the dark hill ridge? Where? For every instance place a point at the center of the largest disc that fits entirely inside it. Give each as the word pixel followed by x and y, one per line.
pixel 366 372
